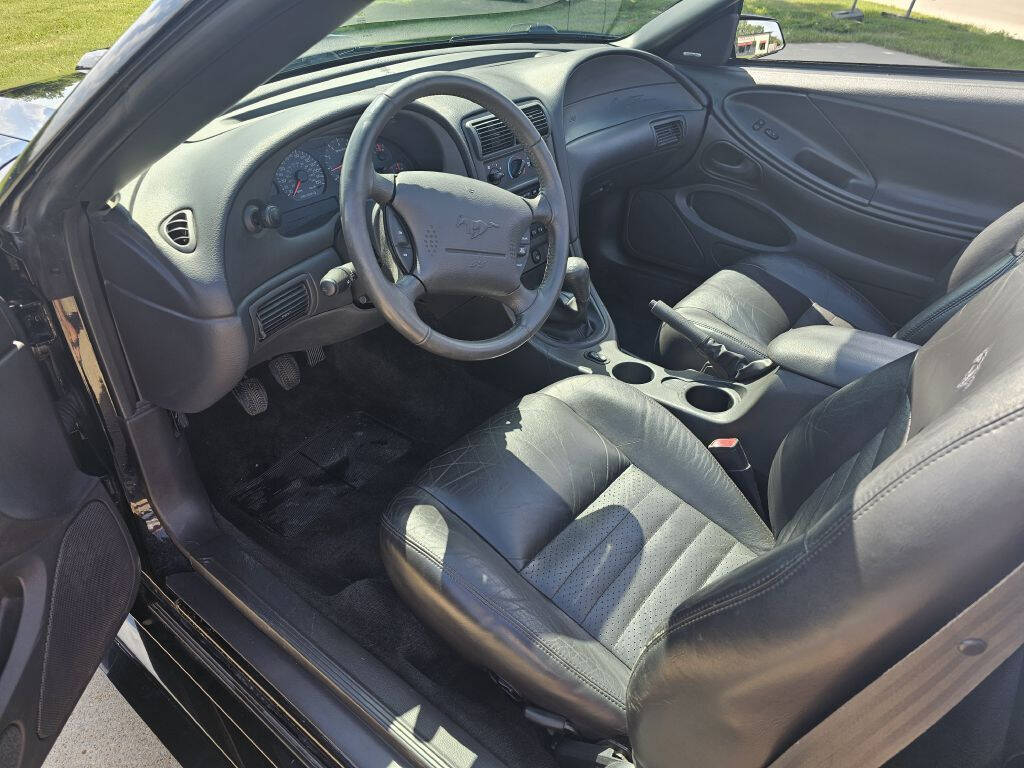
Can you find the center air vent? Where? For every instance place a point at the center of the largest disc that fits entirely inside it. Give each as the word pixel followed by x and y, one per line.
pixel 179 229
pixel 493 136
pixel 667 133
pixel 281 308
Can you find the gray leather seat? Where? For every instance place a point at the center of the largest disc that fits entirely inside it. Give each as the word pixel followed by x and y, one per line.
pixel 585 546
pixel 755 300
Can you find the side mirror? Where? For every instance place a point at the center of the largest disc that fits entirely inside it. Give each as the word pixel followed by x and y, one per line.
pixel 758 36
pixel 89 60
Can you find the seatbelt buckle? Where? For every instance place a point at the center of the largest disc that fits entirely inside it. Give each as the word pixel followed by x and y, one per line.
pixel 729 452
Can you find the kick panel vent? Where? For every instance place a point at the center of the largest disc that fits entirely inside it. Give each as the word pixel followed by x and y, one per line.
pixel 493 135
pixel 281 309
pixel 179 229
pixel 667 133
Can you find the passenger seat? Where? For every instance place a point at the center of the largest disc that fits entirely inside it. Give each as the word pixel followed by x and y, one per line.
pixel 748 304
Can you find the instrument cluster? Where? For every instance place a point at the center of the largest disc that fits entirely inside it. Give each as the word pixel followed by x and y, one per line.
pixel 314 169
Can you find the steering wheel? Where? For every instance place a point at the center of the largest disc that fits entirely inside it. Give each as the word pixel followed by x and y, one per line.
pixel 452 234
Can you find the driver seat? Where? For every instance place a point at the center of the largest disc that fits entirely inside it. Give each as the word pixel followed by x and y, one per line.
pixel 589 550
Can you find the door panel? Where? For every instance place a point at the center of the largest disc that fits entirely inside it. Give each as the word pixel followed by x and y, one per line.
pixel 68 569
pixel 882 178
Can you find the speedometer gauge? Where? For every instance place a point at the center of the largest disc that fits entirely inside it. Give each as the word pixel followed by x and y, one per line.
pixel 334 154
pixel 300 176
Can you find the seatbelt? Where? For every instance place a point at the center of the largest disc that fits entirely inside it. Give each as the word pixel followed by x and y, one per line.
pixel 912 695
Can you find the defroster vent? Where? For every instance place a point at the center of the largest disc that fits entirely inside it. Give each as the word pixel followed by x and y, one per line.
pixel 281 308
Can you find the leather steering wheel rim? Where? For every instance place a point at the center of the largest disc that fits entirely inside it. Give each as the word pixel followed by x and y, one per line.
pixel 467 235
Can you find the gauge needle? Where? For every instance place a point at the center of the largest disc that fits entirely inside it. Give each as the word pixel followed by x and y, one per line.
pixel 336 168
pixel 298 184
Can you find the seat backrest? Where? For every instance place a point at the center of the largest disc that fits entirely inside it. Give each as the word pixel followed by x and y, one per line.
pixel 896 503
pixel 991 254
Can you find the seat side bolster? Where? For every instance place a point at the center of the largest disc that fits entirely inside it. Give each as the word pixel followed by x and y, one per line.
pixel 451 577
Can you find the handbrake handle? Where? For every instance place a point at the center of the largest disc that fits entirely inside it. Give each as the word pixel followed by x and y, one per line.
pixel 736 366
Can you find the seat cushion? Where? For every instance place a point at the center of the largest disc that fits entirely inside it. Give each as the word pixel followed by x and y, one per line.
pixel 549 543
pixel 747 305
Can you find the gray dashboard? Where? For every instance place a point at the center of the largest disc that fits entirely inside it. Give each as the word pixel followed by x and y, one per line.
pixel 203 289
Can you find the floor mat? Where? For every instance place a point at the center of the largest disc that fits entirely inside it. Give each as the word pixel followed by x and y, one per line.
pixel 302 486
pixel 321 475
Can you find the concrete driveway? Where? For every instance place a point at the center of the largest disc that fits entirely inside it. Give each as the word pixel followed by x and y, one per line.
pixel 105 732
pixel 994 15
pixel 850 53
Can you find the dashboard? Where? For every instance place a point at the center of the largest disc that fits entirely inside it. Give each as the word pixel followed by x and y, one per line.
pixel 219 247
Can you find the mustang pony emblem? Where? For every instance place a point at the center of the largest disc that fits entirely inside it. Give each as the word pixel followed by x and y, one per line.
pixel 475 227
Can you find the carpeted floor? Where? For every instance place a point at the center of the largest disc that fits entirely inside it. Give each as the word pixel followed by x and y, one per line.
pixel 306 482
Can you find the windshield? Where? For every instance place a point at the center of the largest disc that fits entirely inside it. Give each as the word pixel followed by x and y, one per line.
pixel 386 23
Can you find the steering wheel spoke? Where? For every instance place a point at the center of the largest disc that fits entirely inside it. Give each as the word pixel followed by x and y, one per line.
pixel 520 300
pixel 411 287
pixel 382 187
pixel 543 213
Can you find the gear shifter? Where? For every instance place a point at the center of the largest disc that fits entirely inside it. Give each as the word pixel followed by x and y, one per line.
pixel 573 319
pixel 577 282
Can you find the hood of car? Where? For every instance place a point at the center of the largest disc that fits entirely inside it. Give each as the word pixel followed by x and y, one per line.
pixel 24 110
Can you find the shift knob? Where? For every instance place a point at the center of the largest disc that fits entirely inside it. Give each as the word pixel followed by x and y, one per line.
pixel 577 282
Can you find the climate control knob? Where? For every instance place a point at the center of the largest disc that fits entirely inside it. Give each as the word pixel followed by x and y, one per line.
pixel 516 166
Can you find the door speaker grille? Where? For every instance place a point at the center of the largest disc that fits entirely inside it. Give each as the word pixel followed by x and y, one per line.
pixel 94 584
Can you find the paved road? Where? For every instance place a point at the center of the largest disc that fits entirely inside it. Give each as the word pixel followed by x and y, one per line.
pixel 851 53
pixel 993 15
pixel 105 732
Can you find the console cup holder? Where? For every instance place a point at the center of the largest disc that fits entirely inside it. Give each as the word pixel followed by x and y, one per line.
pixel 633 373
pixel 710 399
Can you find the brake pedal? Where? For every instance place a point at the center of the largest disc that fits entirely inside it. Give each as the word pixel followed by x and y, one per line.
pixel 285 370
pixel 315 356
pixel 251 395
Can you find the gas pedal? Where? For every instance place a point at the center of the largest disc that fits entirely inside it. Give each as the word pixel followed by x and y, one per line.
pixel 285 370
pixel 251 395
pixel 315 356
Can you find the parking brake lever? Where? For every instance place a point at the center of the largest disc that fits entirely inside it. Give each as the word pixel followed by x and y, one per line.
pixel 735 365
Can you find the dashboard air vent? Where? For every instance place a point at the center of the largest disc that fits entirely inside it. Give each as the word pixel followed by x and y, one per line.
pixel 494 136
pixel 281 309
pixel 179 229
pixel 540 120
pixel 667 133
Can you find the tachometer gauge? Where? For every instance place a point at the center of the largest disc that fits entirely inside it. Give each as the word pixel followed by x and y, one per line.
pixel 300 176
pixel 334 154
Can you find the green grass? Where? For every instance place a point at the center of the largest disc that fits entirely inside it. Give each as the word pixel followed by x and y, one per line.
pixel 42 39
pixel 810 21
